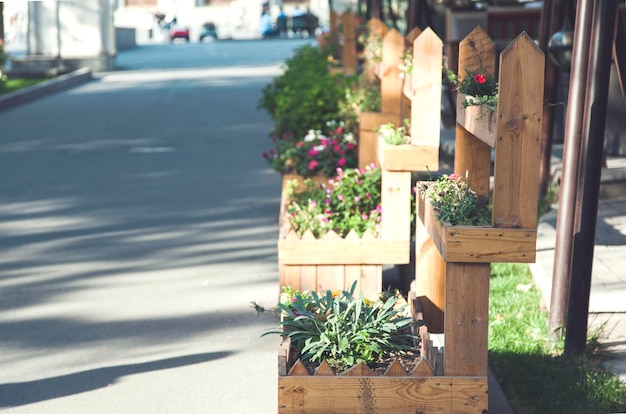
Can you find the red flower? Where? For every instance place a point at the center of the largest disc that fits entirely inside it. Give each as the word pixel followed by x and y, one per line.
pixel 313 165
pixel 299 144
pixel 480 78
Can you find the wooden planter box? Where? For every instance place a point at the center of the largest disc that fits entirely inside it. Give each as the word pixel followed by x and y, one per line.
pixel 477 120
pixel 407 157
pixel 477 244
pixel 333 262
pixel 358 390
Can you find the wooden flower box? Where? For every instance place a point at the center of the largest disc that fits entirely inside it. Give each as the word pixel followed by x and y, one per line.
pixel 333 262
pixel 477 244
pixel 407 157
pixel 359 390
pixel 478 120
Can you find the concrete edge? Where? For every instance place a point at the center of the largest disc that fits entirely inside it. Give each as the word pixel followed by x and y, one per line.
pixel 51 86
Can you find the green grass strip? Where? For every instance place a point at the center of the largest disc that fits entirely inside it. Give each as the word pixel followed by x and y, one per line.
pixel 13 85
pixel 536 377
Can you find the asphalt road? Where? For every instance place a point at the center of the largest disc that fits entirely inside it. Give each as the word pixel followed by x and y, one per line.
pixel 137 222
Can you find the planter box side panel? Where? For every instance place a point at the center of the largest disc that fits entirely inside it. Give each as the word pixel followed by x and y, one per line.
pixel 321 278
pixel 397 395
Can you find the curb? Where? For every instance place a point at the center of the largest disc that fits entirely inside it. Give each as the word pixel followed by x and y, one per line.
pixel 51 86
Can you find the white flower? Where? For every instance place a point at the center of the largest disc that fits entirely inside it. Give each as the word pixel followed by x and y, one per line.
pixel 349 138
pixel 312 135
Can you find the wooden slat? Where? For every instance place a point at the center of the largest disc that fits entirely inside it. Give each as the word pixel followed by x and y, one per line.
pixel 308 278
pixel 298 370
pixel 325 370
pixel 371 280
pixel 352 273
pixel 466 319
pixel 289 276
pixel 391 82
pixel 518 147
pixel 329 252
pixel 472 158
pixel 477 244
pixel 397 395
pixel 412 35
pixel 426 102
pixel 368 122
pixel 477 120
pixel 348 56
pixel 422 369
pixel 429 277
pixel 359 370
pixel 407 157
pixel 396 206
pixel 330 278
pixel 395 370
pixel 470 395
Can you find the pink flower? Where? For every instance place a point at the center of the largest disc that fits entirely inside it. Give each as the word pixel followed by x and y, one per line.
pixel 379 208
pixel 340 197
pixel 480 78
pixel 454 177
pixel 368 195
pixel 350 146
pixel 364 216
pixel 339 130
pixel 312 152
pixel 336 148
pixel 299 144
pixel 313 165
pixel 357 199
pixel 341 162
pixel 265 155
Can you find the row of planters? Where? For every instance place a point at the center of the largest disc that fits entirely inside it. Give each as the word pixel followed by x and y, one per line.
pixel 347 347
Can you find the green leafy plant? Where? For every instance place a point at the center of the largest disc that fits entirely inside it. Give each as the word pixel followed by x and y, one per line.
pixel 345 329
pixel 315 153
pixel 305 96
pixel 360 95
pixel 3 58
pixel 350 201
pixel 394 136
pixel 480 85
pixel 454 202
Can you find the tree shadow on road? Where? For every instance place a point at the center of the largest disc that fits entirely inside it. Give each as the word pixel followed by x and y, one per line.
pixel 29 392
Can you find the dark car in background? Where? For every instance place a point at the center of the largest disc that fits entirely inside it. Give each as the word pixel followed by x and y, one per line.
pixel 208 30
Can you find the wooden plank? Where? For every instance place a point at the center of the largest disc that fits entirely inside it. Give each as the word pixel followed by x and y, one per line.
pixel 429 277
pixel 412 35
pixel 359 370
pixel 298 370
pixel 470 395
pixel 396 206
pixel 325 370
pixel 477 244
pixel 368 122
pixel 478 120
pixel 391 82
pixel 423 369
pixel 352 273
pixel 330 278
pixel 308 278
pixel 466 319
pixel 407 157
pixel 329 252
pixel 395 370
pixel 371 280
pixel 472 158
pixel 348 56
pixel 366 395
pixel 426 101
pixel 290 276
pixel 518 147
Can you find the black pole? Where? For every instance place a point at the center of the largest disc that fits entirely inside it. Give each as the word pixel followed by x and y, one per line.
pixel 1 23
pixel 566 213
pixel 594 122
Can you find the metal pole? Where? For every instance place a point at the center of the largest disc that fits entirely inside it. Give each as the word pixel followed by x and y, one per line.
pixel 563 251
pixel 58 22
pixel 594 122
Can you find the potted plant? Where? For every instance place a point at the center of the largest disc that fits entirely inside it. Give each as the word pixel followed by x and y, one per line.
pixel 477 100
pixel 330 233
pixel 342 353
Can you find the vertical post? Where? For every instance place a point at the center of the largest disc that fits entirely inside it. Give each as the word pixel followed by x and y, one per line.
pixel 349 59
pixel 566 215
pixel 472 157
pixel 594 122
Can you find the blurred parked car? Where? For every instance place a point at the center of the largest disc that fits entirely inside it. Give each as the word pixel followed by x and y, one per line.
pixel 179 32
pixel 208 30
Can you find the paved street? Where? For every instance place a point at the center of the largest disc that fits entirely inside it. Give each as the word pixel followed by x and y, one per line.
pixel 137 222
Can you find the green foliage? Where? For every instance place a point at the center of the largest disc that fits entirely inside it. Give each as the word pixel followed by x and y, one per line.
pixel 350 201
pixel 534 375
pixel 454 202
pixel 305 96
pixel 343 329
pixel 3 59
pixel 394 136
pixel 480 84
pixel 360 95
pixel 315 153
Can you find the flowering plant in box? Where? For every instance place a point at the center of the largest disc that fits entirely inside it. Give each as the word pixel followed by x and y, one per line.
pixel 454 202
pixel 394 136
pixel 344 329
pixel 480 85
pixel 315 153
pixel 350 201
